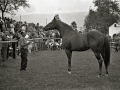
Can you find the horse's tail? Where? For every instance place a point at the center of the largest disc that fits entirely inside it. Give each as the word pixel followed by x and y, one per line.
pixel 106 52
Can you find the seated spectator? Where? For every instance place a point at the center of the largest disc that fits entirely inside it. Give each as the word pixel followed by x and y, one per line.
pixel 60 44
pixel 51 44
pixel 11 35
pixel 16 36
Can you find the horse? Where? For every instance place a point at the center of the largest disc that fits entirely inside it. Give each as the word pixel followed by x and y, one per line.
pixel 74 41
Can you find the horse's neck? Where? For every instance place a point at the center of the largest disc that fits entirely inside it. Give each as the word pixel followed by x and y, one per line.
pixel 64 29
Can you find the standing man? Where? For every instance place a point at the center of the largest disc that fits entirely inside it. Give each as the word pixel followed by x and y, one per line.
pixel 37 27
pixel 24 51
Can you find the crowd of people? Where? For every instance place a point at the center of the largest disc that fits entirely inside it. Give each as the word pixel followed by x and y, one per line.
pixel 12 29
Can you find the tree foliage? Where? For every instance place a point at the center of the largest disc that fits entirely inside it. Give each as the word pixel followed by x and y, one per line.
pixel 105 14
pixel 9 6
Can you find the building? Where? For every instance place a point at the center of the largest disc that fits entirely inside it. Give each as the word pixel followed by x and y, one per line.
pixel 114 29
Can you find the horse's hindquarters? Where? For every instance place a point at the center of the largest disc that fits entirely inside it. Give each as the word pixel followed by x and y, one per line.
pixel 95 40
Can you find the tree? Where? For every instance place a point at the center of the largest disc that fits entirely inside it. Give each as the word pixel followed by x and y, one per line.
pixel 105 14
pixel 90 20
pixel 9 6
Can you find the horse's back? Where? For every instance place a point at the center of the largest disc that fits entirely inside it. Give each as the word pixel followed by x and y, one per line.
pixel 94 34
pixel 76 41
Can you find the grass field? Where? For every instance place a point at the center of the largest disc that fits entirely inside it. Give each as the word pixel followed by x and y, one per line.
pixel 47 70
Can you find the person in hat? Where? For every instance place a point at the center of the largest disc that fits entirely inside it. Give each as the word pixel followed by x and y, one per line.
pixel 74 25
pixel 24 51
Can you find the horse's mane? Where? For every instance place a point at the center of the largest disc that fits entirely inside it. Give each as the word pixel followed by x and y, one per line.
pixel 64 24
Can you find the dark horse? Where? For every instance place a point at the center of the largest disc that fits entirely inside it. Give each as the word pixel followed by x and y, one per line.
pixel 74 41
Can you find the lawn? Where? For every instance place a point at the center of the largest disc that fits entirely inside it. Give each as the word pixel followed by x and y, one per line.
pixel 47 70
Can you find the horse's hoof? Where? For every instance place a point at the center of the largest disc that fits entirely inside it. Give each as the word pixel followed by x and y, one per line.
pixel 98 76
pixel 106 75
pixel 69 72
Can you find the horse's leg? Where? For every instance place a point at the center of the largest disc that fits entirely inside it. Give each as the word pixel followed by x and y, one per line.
pixel 100 60
pixel 69 55
pixel 106 67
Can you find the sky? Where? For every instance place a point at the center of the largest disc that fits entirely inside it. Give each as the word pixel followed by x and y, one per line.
pixel 56 6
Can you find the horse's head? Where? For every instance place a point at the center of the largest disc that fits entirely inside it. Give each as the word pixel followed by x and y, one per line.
pixel 52 25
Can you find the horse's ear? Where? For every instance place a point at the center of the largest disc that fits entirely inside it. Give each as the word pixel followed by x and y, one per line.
pixel 56 17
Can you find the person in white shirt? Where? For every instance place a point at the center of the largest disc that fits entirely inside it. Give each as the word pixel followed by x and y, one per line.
pixel 12 27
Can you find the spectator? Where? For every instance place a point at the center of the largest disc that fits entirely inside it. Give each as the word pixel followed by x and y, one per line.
pixel 1 23
pixel 41 34
pixel 34 30
pixel 12 27
pixel 4 46
pixel 24 27
pixel 17 27
pixel 37 27
pixel 30 28
pixel 36 41
pixel 53 34
pixel 8 24
pixel 74 25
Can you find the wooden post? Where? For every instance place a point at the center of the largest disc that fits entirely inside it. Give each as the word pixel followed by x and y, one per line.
pixel 14 45
pixel 0 53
